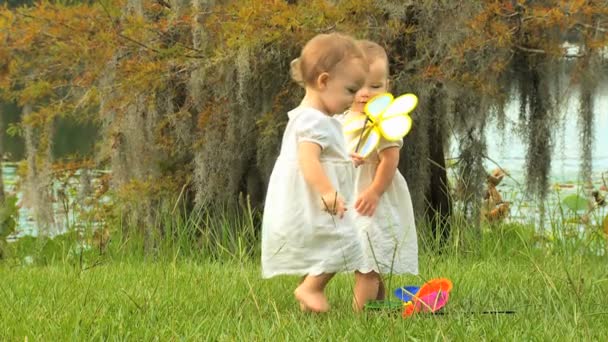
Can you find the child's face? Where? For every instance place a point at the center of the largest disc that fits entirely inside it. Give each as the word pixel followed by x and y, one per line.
pixel 375 83
pixel 342 84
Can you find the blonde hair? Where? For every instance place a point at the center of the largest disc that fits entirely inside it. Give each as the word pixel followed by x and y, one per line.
pixel 322 54
pixel 373 51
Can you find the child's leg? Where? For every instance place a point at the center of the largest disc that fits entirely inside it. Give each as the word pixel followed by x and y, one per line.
pixel 366 289
pixel 310 292
pixel 381 290
pixel 302 306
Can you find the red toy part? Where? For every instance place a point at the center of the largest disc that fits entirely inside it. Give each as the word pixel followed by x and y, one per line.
pixel 432 296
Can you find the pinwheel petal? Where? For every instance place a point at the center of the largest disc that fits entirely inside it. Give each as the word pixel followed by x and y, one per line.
pixel 354 125
pixel 377 105
pixel 369 143
pixel 401 105
pixel 395 128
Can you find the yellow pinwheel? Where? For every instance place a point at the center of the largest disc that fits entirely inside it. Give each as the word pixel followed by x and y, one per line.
pixel 385 117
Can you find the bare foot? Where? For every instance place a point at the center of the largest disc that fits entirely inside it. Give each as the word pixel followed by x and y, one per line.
pixel 310 300
pixel 357 307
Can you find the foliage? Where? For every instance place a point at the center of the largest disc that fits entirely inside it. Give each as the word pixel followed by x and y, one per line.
pixel 576 203
pixel 8 215
pixel 191 96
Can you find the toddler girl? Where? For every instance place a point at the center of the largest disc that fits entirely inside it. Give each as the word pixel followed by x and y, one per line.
pixel 385 216
pixel 306 229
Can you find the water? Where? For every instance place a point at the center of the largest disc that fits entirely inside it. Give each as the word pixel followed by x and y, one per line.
pixel 507 149
pixel 71 139
pixel 67 210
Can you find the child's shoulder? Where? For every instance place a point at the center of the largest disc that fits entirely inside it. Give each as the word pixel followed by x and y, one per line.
pixel 307 112
pixel 341 117
pixel 306 116
pixel 349 115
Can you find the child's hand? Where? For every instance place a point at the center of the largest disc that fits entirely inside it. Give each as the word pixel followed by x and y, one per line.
pixel 367 202
pixel 333 204
pixel 357 159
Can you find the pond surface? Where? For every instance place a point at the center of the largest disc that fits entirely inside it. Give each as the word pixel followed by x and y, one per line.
pixel 507 149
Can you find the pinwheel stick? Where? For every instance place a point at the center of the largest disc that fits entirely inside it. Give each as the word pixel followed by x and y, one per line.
pixel 490 312
pixel 362 131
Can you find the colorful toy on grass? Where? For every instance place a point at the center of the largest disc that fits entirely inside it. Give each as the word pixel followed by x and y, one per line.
pixel 388 117
pixel 430 297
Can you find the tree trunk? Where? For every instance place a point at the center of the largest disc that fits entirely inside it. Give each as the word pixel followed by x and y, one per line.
pixel 439 208
pixel 424 164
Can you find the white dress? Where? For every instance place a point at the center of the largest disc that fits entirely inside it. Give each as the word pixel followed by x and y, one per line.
pixel 298 237
pixel 389 236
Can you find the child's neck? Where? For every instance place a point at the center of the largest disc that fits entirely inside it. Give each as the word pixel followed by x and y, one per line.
pixel 313 101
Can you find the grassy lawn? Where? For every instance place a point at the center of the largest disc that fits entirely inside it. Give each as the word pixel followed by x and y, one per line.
pixel 556 295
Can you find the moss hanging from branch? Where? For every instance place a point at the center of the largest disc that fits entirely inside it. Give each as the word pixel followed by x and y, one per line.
pixel 2 194
pixel 472 112
pixel 212 161
pixel 589 80
pixel 586 121
pixel 38 184
pixel 540 139
pixel 226 163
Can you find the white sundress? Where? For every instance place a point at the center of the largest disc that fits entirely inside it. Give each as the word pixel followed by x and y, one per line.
pixel 389 236
pixel 298 237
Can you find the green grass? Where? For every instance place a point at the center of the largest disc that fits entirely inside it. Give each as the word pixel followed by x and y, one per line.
pixel 558 293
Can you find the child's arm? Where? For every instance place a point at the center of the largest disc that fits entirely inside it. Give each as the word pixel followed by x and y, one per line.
pixel 368 200
pixel 309 160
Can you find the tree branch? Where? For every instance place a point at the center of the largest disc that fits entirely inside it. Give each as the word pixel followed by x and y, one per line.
pixel 531 50
pixel 597 28
pixel 543 52
pixel 163 3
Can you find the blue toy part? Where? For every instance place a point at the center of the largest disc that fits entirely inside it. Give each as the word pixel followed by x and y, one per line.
pixel 405 292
